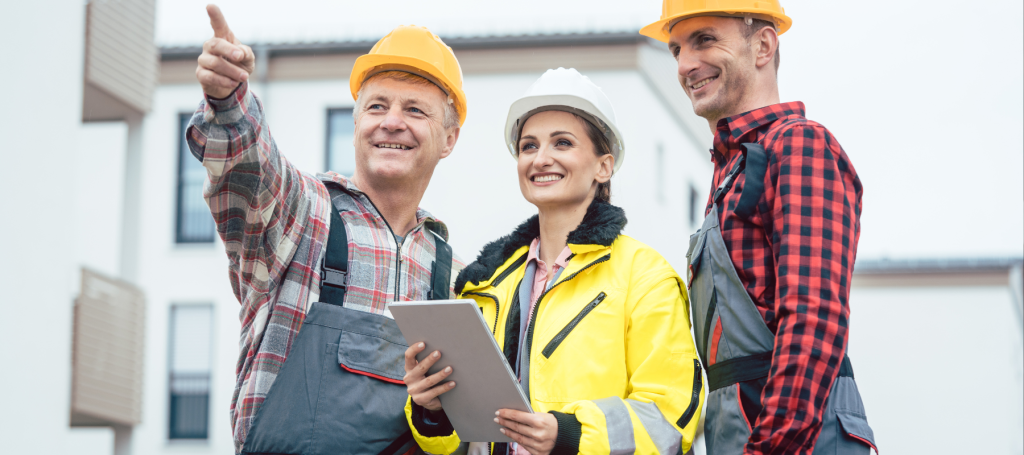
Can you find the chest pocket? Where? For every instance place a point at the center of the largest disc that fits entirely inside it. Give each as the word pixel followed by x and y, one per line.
pixel 564 333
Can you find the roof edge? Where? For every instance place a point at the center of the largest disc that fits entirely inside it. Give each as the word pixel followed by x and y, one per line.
pixel 937 265
pixel 456 43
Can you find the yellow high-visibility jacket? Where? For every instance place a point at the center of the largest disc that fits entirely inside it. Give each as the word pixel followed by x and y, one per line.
pixel 609 345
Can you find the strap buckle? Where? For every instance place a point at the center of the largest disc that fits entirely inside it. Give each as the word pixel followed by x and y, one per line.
pixel 334 277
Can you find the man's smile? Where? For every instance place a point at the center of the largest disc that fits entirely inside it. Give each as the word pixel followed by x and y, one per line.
pixel 392 145
pixel 700 84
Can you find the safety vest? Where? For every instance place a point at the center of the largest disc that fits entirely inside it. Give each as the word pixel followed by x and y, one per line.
pixel 340 390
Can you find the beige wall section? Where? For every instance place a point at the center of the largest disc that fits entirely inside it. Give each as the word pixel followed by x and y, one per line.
pixel 120 57
pixel 106 372
pixel 937 279
pixel 302 67
pixel 519 60
pixel 483 61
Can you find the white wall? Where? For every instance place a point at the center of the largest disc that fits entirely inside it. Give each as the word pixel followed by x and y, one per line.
pixel 40 123
pixel 939 368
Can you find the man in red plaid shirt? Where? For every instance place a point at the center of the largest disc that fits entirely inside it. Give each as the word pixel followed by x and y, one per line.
pixel 770 269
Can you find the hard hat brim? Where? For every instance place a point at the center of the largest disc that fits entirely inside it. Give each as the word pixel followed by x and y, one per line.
pixel 526 107
pixel 369 64
pixel 659 30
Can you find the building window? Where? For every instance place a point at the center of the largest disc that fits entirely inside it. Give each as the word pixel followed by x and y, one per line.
pixel 694 206
pixel 341 154
pixel 190 345
pixel 194 222
pixel 659 173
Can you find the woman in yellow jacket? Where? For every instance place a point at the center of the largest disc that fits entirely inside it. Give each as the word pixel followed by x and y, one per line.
pixel 595 323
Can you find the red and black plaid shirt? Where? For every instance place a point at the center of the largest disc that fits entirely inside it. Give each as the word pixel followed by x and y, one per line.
pixel 795 257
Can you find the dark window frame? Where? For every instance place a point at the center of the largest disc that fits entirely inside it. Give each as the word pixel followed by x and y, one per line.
pixel 181 237
pixel 178 402
pixel 327 136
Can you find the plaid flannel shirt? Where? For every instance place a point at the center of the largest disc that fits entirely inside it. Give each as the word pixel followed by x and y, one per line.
pixel 274 222
pixel 795 257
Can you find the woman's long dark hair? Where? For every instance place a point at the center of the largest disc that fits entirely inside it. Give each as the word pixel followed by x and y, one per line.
pixel 602 146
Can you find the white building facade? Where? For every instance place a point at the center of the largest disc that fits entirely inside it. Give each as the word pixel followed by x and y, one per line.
pixel 936 346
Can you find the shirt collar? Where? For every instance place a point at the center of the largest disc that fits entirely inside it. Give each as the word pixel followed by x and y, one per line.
pixel 731 131
pixel 534 255
pixel 422 216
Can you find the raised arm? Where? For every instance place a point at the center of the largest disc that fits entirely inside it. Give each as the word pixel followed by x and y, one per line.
pixel 262 205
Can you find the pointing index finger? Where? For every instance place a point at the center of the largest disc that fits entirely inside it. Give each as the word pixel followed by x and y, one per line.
pixel 219 24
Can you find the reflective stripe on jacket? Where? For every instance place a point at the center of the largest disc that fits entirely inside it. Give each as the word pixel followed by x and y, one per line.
pixel 610 342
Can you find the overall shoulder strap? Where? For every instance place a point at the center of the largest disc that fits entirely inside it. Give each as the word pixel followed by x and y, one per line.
pixel 753 186
pixel 756 169
pixel 441 271
pixel 334 278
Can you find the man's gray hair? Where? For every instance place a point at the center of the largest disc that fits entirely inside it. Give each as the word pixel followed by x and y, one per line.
pixel 451 114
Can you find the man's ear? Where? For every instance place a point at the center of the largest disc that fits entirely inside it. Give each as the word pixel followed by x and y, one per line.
pixel 451 137
pixel 607 166
pixel 766 42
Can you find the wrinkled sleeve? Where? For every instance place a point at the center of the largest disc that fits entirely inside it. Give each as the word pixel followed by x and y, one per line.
pixel 815 228
pixel 259 201
pixel 661 412
pixel 262 207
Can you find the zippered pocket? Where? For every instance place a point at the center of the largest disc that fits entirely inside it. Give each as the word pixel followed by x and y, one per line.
pixel 497 307
pixel 698 385
pixel 557 340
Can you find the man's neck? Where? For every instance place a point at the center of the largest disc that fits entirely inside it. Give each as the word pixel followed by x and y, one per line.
pixel 555 225
pixel 397 203
pixel 760 97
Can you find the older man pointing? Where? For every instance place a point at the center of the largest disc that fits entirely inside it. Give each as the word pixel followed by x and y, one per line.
pixel 315 260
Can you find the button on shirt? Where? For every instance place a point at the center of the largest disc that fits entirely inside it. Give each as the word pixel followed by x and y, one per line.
pixel 795 257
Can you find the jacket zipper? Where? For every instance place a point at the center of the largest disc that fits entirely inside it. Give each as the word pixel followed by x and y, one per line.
pixel 508 270
pixel 694 399
pixel 557 340
pixel 536 308
pixel 497 307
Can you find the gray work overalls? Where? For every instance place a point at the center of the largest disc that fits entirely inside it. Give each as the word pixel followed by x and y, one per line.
pixel 744 355
pixel 340 390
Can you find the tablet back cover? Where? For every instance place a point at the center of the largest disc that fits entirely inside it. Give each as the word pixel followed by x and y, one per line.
pixel 483 381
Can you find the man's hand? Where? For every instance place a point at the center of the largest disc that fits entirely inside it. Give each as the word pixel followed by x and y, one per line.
pixel 422 387
pixel 225 62
pixel 535 432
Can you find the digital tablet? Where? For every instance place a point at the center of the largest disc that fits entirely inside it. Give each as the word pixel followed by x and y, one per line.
pixel 484 383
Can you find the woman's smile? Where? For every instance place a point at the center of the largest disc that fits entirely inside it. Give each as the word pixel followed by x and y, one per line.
pixel 546 178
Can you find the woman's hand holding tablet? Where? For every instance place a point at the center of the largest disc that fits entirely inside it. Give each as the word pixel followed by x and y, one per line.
pixel 422 388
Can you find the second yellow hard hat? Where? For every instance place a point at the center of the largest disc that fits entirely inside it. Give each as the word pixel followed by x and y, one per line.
pixel 415 50
pixel 673 11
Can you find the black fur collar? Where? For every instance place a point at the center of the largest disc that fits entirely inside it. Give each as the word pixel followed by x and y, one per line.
pixel 602 223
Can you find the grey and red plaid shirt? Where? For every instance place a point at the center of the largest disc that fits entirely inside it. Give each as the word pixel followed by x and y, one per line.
pixel 274 222
pixel 795 257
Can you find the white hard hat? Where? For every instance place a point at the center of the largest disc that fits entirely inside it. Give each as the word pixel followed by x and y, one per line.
pixel 565 90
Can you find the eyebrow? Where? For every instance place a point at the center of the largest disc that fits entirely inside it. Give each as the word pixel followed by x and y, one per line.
pixel 700 31
pixel 693 35
pixel 558 133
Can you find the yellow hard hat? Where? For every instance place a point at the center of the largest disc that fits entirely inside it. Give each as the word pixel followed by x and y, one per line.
pixel 673 11
pixel 414 50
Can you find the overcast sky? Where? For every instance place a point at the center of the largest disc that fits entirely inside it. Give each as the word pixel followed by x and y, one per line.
pixel 926 97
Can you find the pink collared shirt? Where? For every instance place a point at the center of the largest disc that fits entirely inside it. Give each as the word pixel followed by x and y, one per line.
pixel 540 278
pixel 540 283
